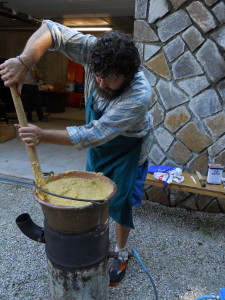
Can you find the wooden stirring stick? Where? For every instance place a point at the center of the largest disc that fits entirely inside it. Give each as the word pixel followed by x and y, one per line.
pixel 34 161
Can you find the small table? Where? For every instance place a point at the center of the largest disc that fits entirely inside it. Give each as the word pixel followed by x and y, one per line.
pixel 188 185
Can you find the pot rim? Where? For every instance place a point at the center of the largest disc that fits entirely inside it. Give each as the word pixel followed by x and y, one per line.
pixel 84 174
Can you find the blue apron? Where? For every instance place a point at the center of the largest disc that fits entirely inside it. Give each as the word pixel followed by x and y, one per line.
pixel 118 160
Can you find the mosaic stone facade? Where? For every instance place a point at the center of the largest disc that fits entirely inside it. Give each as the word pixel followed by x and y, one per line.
pixel 182 46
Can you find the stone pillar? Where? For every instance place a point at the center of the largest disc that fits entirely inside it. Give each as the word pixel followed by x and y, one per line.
pixel 182 46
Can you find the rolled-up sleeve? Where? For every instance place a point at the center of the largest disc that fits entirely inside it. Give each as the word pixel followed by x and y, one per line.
pixel 70 42
pixel 127 116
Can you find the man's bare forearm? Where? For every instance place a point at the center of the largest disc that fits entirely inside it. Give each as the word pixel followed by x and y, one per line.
pixel 33 135
pixel 59 137
pixel 37 45
pixel 13 71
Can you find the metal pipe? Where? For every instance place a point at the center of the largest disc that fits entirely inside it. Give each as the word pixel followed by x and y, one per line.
pixel 76 244
pixel 82 284
pixel 77 263
pixel 29 228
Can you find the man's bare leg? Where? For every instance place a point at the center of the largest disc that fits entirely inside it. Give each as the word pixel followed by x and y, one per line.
pixel 122 233
pixel 119 265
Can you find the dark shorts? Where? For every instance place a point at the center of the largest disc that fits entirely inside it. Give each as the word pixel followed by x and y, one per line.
pixel 139 185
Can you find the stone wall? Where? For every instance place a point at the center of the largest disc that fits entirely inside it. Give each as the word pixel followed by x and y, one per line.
pixel 182 46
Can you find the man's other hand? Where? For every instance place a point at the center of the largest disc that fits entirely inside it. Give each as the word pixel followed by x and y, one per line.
pixel 30 135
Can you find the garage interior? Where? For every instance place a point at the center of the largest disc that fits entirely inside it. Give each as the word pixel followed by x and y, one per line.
pixel 62 83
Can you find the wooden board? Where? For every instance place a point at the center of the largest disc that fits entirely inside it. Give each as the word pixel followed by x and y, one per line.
pixel 7 132
pixel 188 185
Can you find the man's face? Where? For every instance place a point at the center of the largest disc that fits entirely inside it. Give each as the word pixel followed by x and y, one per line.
pixel 111 86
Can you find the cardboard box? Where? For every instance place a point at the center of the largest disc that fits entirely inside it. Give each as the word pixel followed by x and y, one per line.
pixel 7 132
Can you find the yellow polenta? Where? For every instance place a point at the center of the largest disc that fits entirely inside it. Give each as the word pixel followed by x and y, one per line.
pixel 81 188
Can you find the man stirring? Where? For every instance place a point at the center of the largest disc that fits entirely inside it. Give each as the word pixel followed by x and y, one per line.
pixel 118 134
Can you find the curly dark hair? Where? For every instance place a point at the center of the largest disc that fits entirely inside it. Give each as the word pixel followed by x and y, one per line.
pixel 115 53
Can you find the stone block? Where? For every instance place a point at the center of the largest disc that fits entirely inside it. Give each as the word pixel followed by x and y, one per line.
pixel 219 37
pixel 217 147
pixel 171 163
pixel 221 203
pixel 174 48
pixel 173 24
pixel 150 50
pixel 156 194
pixel 219 11
pixel 205 104
pixel 201 16
pixel 180 153
pixel 177 197
pixel 221 89
pixel 140 48
pixel 189 203
pixel 154 97
pixel 156 155
pixel 159 65
pixel 213 207
pixel 150 76
pixel 143 32
pixel 164 138
pixel 199 163
pixel 176 118
pixel 192 37
pixel 220 159
pixel 158 114
pixel 186 66
pixel 211 60
pixel 170 95
pixel 194 138
pixel 194 85
pixel 141 7
pixel 211 2
pixel 157 9
pixel 203 201
pixel 177 3
pixel 216 124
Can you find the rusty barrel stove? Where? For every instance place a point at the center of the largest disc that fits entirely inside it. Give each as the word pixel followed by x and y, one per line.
pixel 76 244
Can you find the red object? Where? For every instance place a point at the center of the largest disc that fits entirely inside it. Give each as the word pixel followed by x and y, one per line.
pixel 75 72
pixel 73 99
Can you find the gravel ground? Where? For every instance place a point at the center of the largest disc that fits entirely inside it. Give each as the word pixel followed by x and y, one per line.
pixel 183 251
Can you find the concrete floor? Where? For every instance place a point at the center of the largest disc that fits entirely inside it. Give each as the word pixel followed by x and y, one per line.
pixel 14 161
